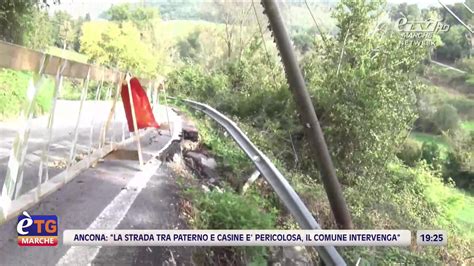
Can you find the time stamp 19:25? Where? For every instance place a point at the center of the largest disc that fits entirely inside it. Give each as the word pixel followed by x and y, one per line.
pixel 431 237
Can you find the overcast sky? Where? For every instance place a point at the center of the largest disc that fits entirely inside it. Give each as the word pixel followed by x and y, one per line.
pixel 96 7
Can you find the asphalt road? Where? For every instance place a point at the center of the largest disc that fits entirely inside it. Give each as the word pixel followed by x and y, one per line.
pixel 101 197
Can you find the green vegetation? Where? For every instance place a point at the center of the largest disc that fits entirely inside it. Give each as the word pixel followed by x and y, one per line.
pixel 468 125
pixel 68 54
pixel 424 137
pixel 13 87
pixel 376 111
pixel 446 118
pixel 466 215
pixel 402 147
pixel 226 208
pixel 410 152
pixel 455 82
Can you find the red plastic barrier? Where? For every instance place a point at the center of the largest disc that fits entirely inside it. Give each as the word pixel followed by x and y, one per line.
pixel 143 111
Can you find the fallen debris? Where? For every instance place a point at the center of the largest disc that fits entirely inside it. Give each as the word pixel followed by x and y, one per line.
pixel 253 177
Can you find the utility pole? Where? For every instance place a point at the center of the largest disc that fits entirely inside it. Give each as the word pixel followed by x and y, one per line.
pixel 308 116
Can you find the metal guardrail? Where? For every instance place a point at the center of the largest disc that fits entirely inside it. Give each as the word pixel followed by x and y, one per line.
pixel 285 192
pixel 15 196
pixel 17 57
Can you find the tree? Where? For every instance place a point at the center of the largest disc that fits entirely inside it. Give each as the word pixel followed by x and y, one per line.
pixel 411 12
pixel 119 13
pixel 190 48
pixel 140 15
pixel 235 16
pixel 17 18
pixel 304 40
pixel 63 29
pixel 456 44
pixel 77 30
pixel 38 37
pixel 459 163
pixel 118 46
pixel 367 83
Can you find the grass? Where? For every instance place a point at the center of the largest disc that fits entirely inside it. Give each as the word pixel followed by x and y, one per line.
pixel 465 217
pixel 68 54
pixel 446 72
pixel 13 87
pixel 425 137
pixel 179 29
pixel 468 125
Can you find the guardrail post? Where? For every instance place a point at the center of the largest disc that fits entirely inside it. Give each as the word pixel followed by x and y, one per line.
pixel 91 131
pixel 23 59
pixel 72 155
pixel 156 98
pixel 155 95
pixel 14 175
pixel 134 120
pixel 166 108
pixel 45 152
pixel 105 128
pixel 149 90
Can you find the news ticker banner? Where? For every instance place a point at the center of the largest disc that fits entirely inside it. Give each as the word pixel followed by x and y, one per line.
pixel 248 237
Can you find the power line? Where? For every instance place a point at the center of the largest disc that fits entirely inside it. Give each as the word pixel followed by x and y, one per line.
pixel 263 40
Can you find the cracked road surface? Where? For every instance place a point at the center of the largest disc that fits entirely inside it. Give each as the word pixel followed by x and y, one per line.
pixel 103 197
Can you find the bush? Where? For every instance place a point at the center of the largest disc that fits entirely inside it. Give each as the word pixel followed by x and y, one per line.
pixel 410 152
pixel 13 87
pixel 409 198
pixel 364 115
pixel 463 105
pixel 228 210
pixel 459 164
pixel 194 82
pixel 466 64
pixel 447 118
pixel 431 153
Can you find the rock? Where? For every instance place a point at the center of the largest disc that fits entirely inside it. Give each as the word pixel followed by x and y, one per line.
pixel 253 177
pixel 204 166
pixel 169 153
pixel 190 131
pixel 188 145
pixel 209 162
pixel 218 189
pixel 290 256
pixel 197 157
pixel 205 188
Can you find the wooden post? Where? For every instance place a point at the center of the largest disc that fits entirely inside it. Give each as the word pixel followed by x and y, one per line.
pixel 166 108
pixel 91 131
pixel 45 153
pixel 72 155
pixel 105 128
pixel 134 119
pixel 14 175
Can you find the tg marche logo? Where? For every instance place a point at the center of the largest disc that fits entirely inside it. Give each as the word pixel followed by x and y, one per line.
pixel 37 230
